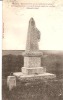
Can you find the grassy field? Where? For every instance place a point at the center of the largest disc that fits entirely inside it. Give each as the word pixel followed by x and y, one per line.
pixel 38 90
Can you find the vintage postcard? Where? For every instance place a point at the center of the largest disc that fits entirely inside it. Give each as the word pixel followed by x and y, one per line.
pixel 32 50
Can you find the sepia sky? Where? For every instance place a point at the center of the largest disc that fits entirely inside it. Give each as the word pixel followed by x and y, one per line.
pixel 49 20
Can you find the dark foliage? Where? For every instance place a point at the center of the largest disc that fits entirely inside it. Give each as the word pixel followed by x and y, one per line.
pixel 53 64
pixel 11 63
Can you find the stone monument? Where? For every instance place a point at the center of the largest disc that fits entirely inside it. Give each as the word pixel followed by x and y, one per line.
pixel 32 57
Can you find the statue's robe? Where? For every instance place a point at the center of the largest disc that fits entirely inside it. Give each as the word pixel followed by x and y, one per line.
pixel 33 37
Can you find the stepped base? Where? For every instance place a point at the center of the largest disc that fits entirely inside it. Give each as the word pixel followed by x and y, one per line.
pixel 35 70
pixel 43 76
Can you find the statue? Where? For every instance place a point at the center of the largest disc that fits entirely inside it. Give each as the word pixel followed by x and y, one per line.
pixel 33 37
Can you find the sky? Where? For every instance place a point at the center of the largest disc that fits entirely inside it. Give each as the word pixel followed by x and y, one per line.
pixel 49 21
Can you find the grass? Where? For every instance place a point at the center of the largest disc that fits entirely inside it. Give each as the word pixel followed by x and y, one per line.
pixel 38 90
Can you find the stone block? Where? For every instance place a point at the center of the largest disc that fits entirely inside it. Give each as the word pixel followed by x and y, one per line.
pixel 32 62
pixel 33 70
pixel 11 82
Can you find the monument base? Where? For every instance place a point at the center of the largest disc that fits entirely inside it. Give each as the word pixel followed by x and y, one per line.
pixel 34 70
pixel 44 76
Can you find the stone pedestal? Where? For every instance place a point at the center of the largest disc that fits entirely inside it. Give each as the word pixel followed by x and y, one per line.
pixel 32 63
pixel 33 71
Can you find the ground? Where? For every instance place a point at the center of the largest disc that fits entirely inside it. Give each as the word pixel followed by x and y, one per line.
pixel 37 90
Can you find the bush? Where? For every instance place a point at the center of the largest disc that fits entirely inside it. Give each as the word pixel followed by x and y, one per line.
pixel 11 63
pixel 53 64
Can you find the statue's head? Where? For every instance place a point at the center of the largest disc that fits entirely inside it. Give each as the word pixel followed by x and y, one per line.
pixel 32 22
